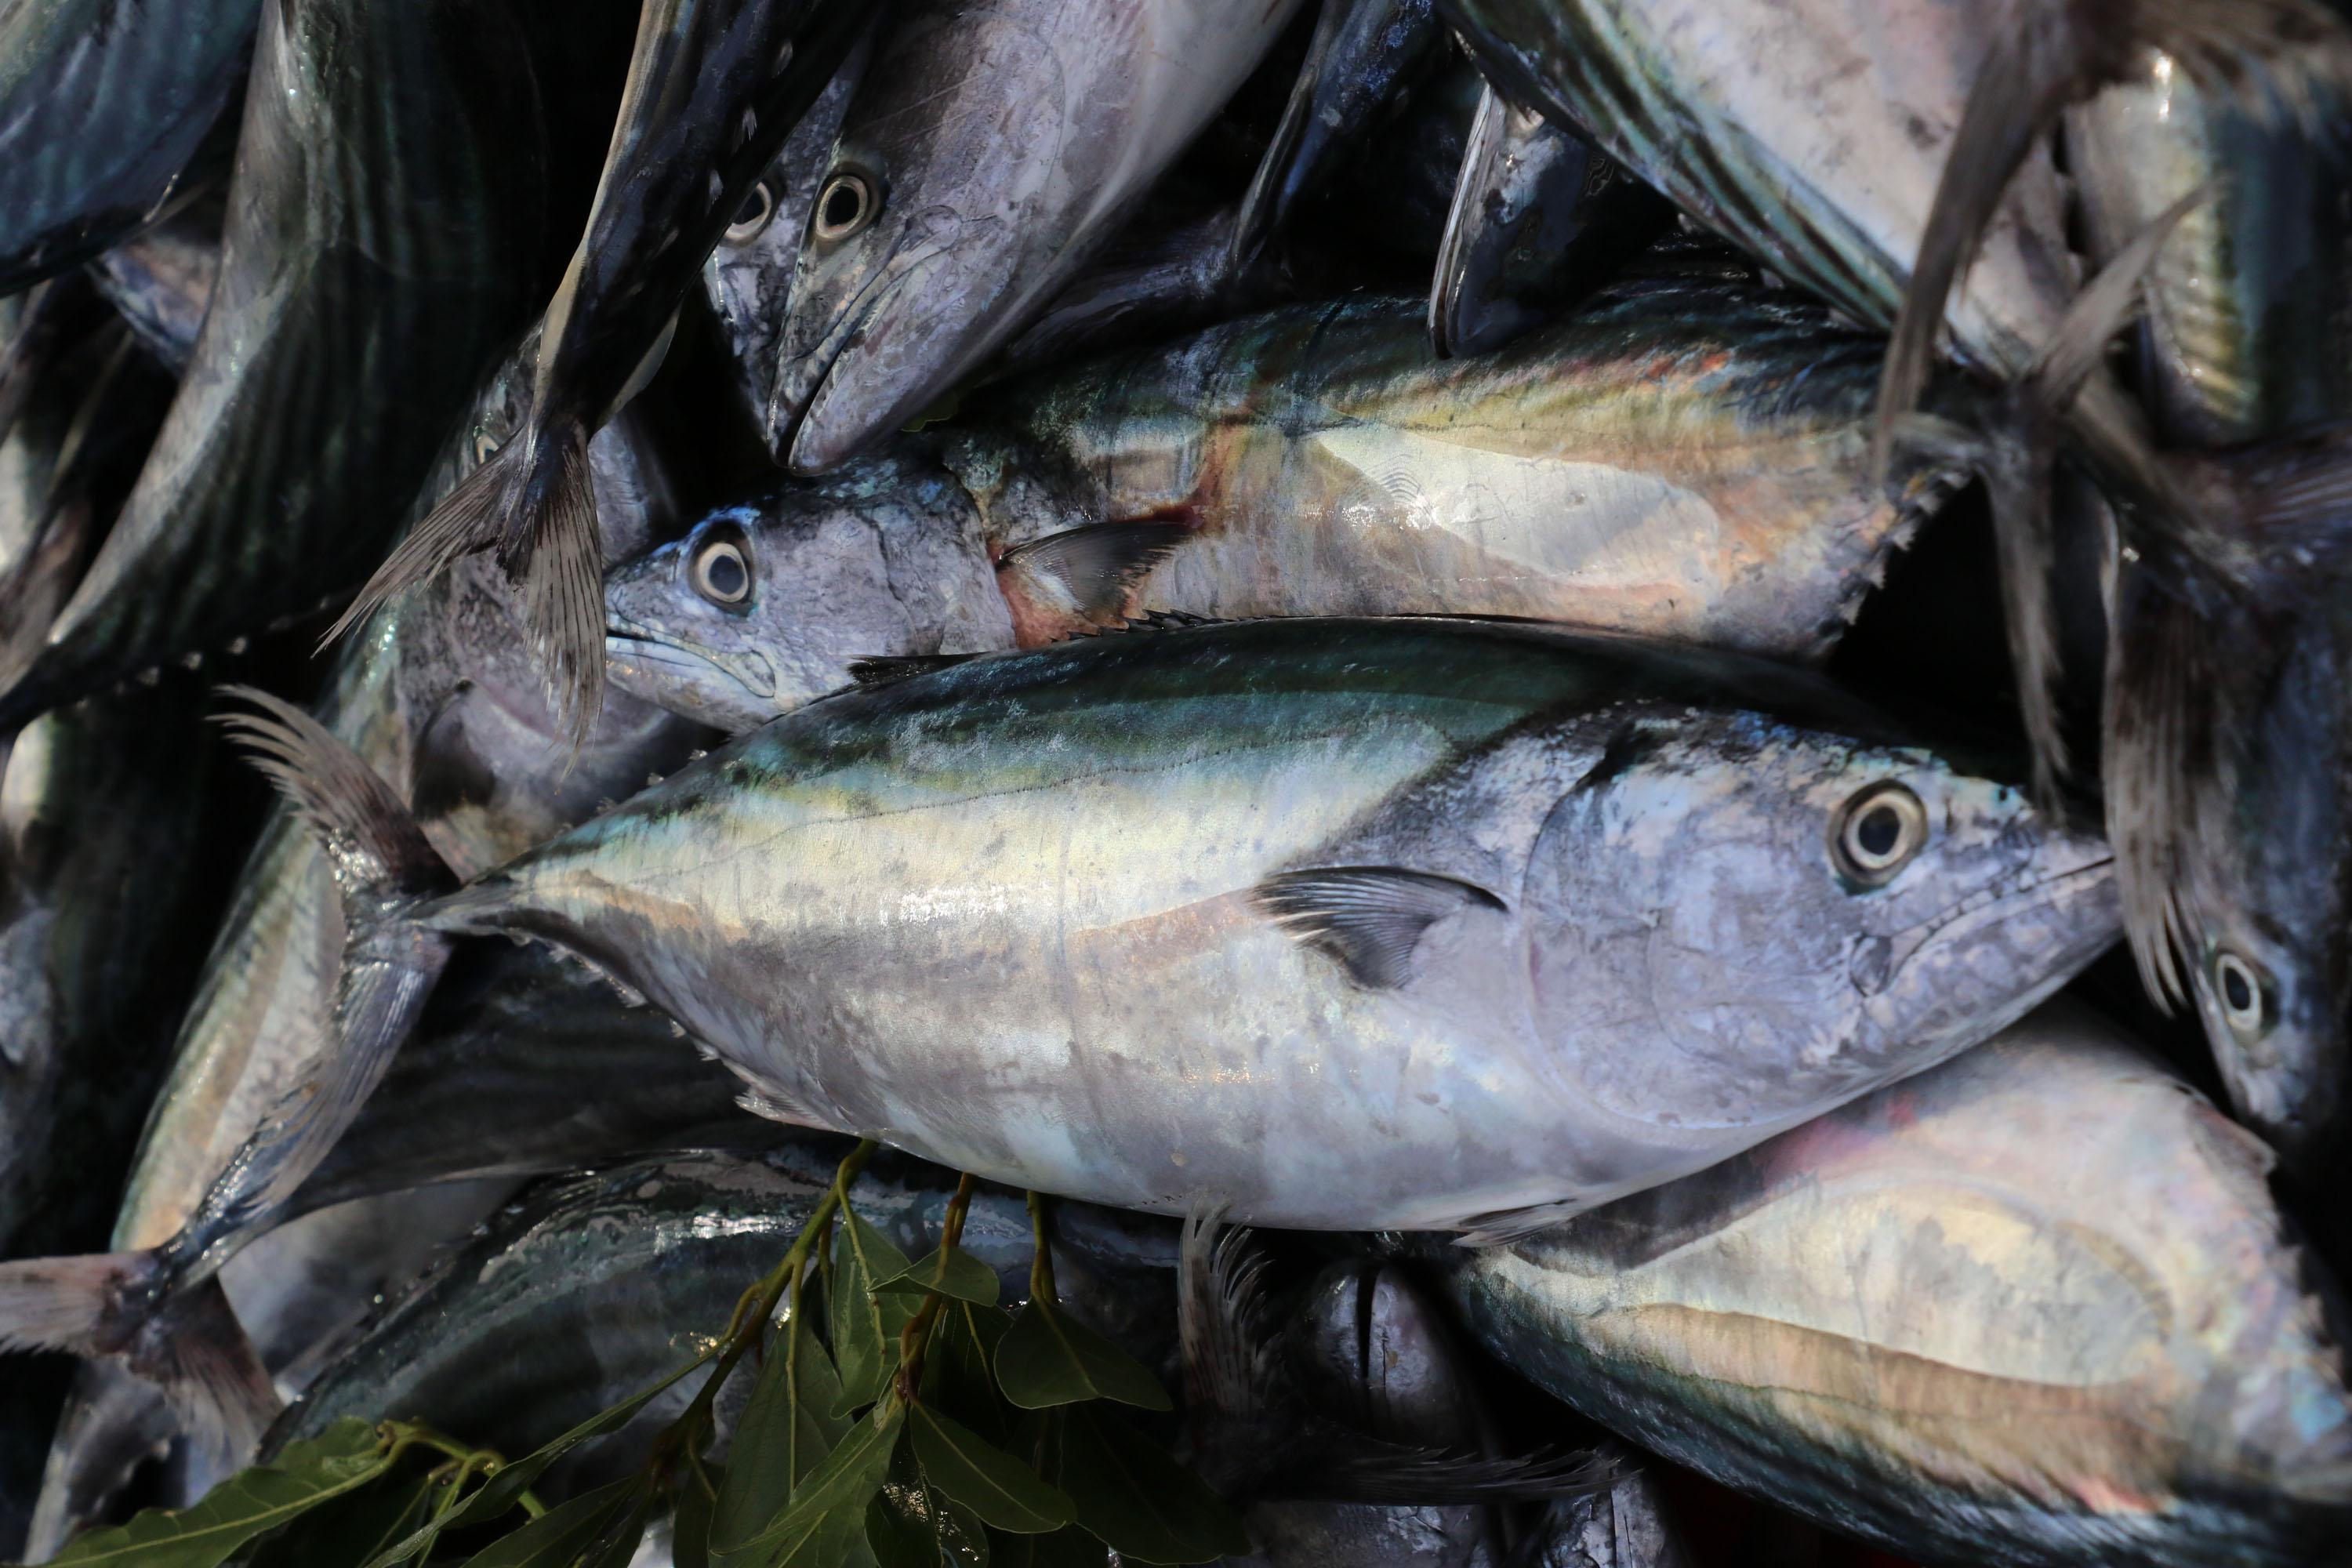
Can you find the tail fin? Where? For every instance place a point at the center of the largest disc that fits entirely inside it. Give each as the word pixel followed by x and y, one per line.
pixel 188 1342
pixel 533 502
pixel 383 867
pixel 2046 56
pixel 2015 454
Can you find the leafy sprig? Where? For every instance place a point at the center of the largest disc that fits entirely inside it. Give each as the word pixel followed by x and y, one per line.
pixel 923 1424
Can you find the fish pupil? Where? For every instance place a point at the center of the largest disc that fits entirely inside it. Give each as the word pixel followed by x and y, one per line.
pixel 726 576
pixel 2235 989
pixel 1879 829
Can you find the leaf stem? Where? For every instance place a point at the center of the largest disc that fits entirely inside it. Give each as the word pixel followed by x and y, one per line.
pixel 917 1335
pixel 1041 1260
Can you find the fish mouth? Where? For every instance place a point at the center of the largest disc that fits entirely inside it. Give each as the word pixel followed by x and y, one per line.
pixel 682 677
pixel 816 444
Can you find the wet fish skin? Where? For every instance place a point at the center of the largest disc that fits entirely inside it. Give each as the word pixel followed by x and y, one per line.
pixel 1627 1525
pixel 585 1292
pixel 1538 214
pixel 1373 745
pixel 1833 1320
pixel 1363 51
pixel 714 87
pixel 526 1064
pixel 441 695
pixel 384 209
pixel 161 280
pixel 884 558
pixel 993 189
pixel 103 104
pixel 749 278
pixel 1686 461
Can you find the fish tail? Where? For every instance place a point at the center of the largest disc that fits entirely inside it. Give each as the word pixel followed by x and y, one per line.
pixel 556 555
pixel 386 870
pixel 185 1340
pixel 2043 56
pixel 470 518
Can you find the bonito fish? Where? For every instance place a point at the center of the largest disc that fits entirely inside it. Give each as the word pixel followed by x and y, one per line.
pixel 1687 461
pixel 2034 1309
pixel 1548 917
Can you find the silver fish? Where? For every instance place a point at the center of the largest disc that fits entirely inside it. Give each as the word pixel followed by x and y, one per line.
pixel 1686 461
pixel 990 149
pixel 1546 917
pixel 2034 1307
pixel 441 695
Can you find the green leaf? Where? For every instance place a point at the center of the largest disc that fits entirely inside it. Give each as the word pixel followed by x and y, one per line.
pixel 911 1525
pixel 866 1327
pixel 957 1375
pixel 949 1272
pixel 355 1526
pixel 827 1515
pixel 501 1492
pixel 558 1538
pixel 986 1479
pixel 1133 1494
pixel 689 1534
pixel 787 1427
pixel 346 1457
pixel 1049 1358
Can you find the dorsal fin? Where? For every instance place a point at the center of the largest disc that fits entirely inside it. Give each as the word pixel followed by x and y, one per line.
pixel 1369 918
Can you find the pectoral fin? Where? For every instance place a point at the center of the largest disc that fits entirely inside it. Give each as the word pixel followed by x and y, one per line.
pixel 1369 918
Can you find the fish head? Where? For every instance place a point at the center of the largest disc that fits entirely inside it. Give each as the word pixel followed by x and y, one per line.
pixel 1371 1348
pixel 938 206
pixel 764 607
pixel 1796 916
pixel 2267 931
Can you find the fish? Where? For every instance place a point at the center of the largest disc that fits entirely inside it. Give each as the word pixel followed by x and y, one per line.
pixel 990 150
pixel 1686 461
pixel 2239 908
pixel 1538 216
pixel 1348 1426
pixel 714 89
pixel 442 696
pixel 1624 1525
pixel 161 280
pixel 1269 876
pixel 1362 52
pixel 749 278
pixel 104 107
pixel 113 824
pixel 386 193
pixel 587 1290
pixel 2035 1307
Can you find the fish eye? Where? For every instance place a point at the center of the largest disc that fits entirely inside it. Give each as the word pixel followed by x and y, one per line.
pixel 751 219
pixel 721 572
pixel 2238 983
pixel 1877 832
pixel 846 205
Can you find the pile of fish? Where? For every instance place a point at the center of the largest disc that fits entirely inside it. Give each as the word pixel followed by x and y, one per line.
pixel 1611 738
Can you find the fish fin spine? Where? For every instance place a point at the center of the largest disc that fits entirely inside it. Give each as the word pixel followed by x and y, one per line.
pixel 1369 918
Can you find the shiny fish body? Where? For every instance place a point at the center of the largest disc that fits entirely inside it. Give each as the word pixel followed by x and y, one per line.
pixel 1687 461
pixel 1003 142
pixel 102 105
pixel 439 695
pixel 2034 1307
pixel 2247 330
pixel 588 1290
pixel 163 280
pixel 1086 887
pixel 1678 462
pixel 1810 133
pixel 381 224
